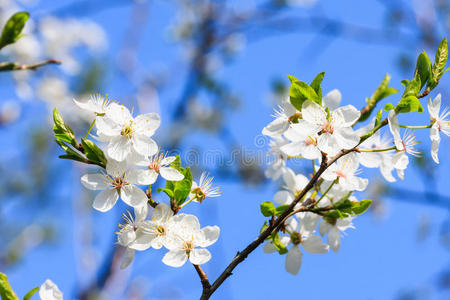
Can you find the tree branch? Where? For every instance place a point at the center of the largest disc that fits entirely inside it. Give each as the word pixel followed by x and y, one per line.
pixel 10 66
pixel 204 279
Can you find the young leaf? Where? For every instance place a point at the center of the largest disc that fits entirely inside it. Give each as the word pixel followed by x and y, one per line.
pixel 278 244
pixel 413 87
pixel 409 104
pixel 6 292
pixel 389 106
pixel 423 68
pixel 379 115
pixel 280 209
pixel 168 192
pixel 359 207
pixel 13 28
pixel 31 293
pixel 437 70
pixel 93 152
pixel 267 209
pixel 316 84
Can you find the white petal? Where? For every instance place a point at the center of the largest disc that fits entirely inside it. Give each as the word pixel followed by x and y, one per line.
pixel 269 247
pixel 302 129
pixel 311 152
pixel 289 179
pixel 167 160
pixel 142 242
pixel 142 177
pixel 119 148
pixel 350 114
pixel 346 137
pixel 313 244
pixel 334 239
pixel 434 132
pixel 140 213
pixel 327 143
pixel 293 260
pixel 95 181
pixel 162 212
pixel 199 256
pixel 107 127
pixel 370 159
pixel 144 145
pixel 210 234
pixel 434 150
pixel 293 149
pixel 395 130
pixel 190 221
pixel 313 113
pixel 175 258
pixel 105 200
pixel 171 174
pixel 119 114
pixel 283 197
pixel 400 160
pixel 133 196
pixel 324 227
pixel 147 124
pixel 49 291
pixel 115 168
pixel 332 99
pixel 434 106
pixel 127 258
pixel 276 127
pixel 126 236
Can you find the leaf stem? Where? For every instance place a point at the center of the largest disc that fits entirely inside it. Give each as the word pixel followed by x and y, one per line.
pixel 416 127
pixel 377 150
pixel 326 192
pixel 186 202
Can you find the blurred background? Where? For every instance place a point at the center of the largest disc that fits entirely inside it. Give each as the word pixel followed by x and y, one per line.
pixel 214 70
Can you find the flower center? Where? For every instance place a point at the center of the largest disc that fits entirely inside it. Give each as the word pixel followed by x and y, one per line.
pixel 199 194
pixel 328 127
pixel 118 183
pixel 340 174
pixel 161 230
pixel 154 166
pixel 127 131
pixel 296 238
pixel 188 246
pixel 310 141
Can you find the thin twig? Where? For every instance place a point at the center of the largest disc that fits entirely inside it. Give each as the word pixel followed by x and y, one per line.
pixel 10 66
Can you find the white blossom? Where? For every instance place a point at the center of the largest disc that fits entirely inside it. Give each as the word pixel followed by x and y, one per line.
pixel 333 231
pixel 160 226
pixel 187 238
pixel 345 170
pixel 50 291
pixel 132 234
pixel 293 185
pixel 119 180
pixel 282 120
pixel 440 124
pixel 126 134
pixel 160 164
pixel 96 104
pixel 204 188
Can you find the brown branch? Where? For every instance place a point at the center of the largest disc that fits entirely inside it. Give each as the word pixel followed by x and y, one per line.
pixel 204 280
pixel 277 224
pixel 9 66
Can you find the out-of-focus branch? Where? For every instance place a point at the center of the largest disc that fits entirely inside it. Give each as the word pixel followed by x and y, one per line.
pixel 12 66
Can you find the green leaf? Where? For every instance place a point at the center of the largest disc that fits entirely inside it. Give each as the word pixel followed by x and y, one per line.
pixel 389 106
pixel 93 152
pixel 280 209
pixel 281 248
pixel 6 292
pixel 359 207
pixel 409 104
pixel 336 214
pixel 379 116
pixel 300 92
pixel 423 68
pixel 267 209
pixel 440 60
pixel 31 293
pixel 62 130
pixel 179 190
pixel 413 87
pixel 404 82
pixel 263 228
pixel 292 79
pixel 316 84
pixel 13 28
pixel 168 192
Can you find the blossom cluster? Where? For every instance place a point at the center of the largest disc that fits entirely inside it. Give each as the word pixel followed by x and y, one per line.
pixel 133 159
pixel 322 129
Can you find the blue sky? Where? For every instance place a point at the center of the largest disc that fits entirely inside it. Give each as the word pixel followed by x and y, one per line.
pixel 376 261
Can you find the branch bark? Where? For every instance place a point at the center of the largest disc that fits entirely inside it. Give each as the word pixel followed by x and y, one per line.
pixel 10 66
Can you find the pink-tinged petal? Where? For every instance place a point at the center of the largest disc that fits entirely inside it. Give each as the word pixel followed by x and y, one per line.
pixel 105 200
pixel 314 245
pixel 434 106
pixel 133 196
pixel 276 127
pixel 314 113
pixel 147 124
pixel 171 174
pixel 127 258
pixel 144 146
pixel 332 99
pixel 330 173
pixel 95 181
pixel 334 239
pixel 119 148
pixel 199 256
pixel 293 260
pixel 175 258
